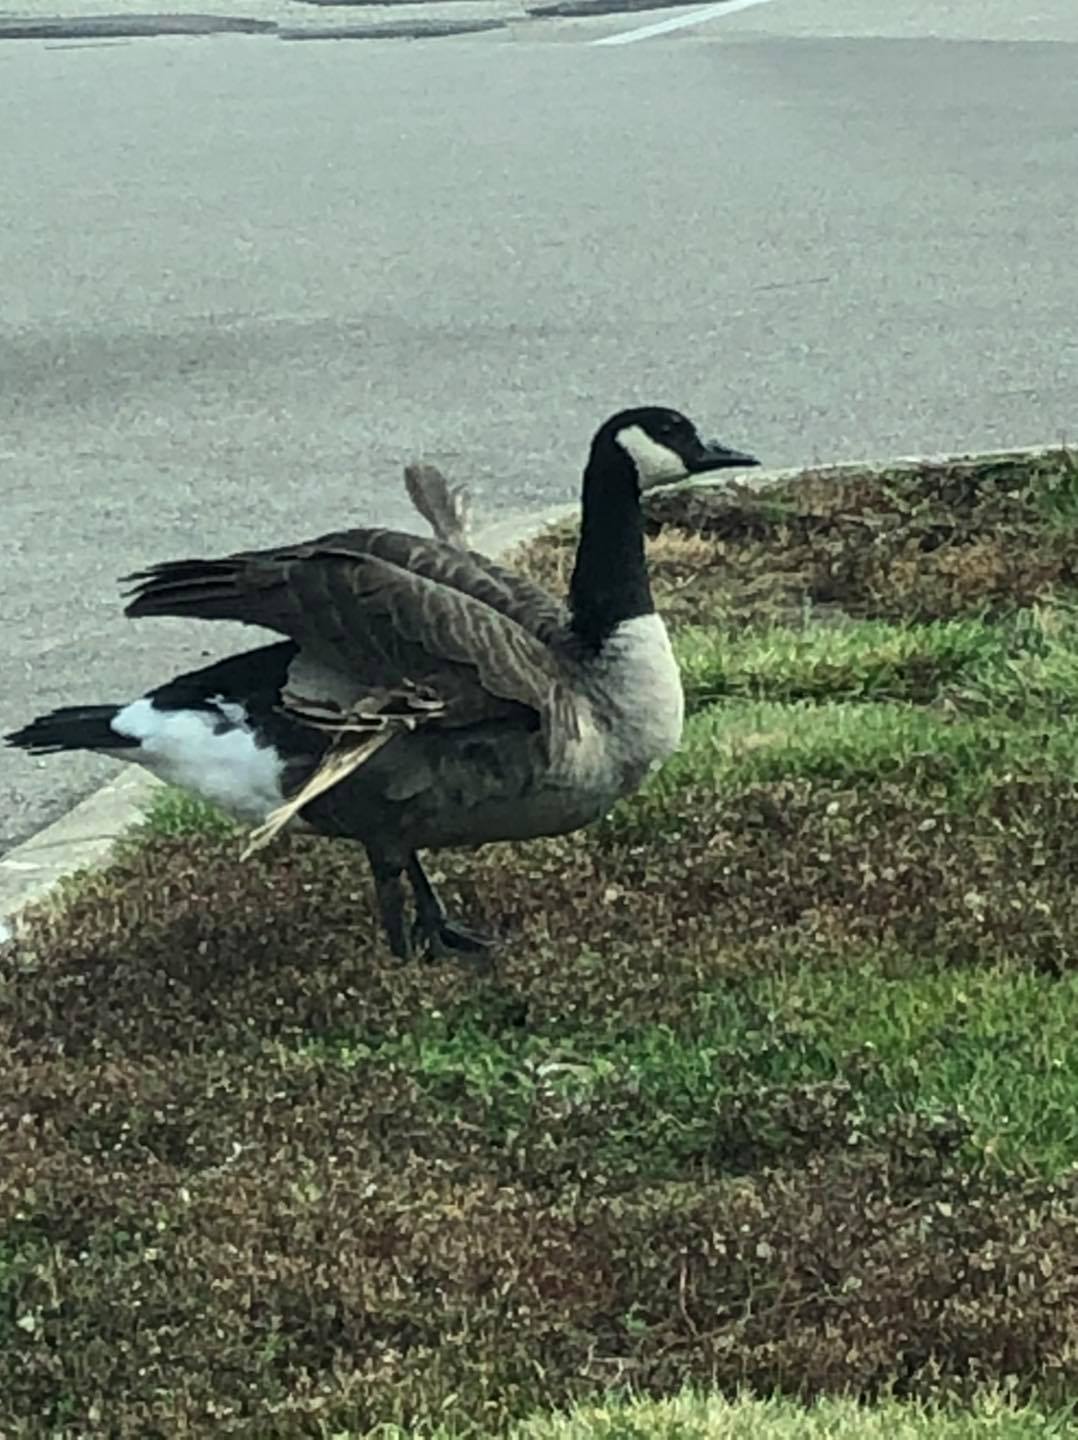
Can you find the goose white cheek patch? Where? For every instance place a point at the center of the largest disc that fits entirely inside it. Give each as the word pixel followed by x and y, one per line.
pixel 654 463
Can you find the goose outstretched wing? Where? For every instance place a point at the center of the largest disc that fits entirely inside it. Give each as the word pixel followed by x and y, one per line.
pixel 162 588
pixel 379 625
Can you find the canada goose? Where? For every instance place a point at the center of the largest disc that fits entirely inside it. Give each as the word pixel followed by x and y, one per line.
pixel 425 697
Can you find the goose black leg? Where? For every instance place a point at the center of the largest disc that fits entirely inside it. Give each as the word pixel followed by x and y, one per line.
pixel 443 937
pixel 389 889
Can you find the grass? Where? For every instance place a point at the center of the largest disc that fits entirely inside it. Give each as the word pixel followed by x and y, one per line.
pixel 695 1416
pixel 757 743
pixel 997 1047
pixel 773 1091
pixel 1020 664
pixel 176 813
pixel 706 1417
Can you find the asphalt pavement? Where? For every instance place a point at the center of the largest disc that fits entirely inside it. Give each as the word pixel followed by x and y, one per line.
pixel 243 282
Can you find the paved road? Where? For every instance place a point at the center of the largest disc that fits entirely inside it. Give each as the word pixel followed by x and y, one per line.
pixel 242 281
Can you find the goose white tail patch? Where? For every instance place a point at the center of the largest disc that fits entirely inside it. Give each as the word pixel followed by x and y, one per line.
pixel 212 755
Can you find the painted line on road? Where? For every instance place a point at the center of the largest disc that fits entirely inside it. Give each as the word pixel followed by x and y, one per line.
pixel 679 22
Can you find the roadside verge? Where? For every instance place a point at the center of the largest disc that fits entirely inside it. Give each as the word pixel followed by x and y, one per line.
pixel 84 837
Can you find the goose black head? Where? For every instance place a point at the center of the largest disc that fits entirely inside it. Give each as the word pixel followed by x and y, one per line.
pixel 664 446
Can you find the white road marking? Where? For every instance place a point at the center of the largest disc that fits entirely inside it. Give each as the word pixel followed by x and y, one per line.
pixel 679 22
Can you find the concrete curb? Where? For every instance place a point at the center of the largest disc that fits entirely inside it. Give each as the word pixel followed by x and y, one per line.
pixel 582 9
pixel 131 27
pixel 82 839
pixel 393 30
pixel 86 835
pixel 144 27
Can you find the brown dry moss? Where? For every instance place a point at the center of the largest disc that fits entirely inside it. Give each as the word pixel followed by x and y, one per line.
pixel 918 544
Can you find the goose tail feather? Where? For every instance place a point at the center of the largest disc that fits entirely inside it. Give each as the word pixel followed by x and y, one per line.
pixel 446 508
pixel 73 727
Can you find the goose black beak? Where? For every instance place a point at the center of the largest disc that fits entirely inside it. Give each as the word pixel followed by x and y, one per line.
pixel 714 455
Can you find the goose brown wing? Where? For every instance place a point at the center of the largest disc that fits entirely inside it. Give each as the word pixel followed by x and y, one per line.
pixel 515 596
pixel 383 626
pixel 163 589
pixel 447 510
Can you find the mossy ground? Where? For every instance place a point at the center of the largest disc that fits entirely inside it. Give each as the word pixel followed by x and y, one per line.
pixel 774 1085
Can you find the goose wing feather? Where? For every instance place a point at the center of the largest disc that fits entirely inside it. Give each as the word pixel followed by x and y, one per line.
pixel 383 626
pixel 162 589
pixel 515 596
pixel 446 508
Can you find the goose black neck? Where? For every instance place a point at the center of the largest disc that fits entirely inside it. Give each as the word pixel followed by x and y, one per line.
pixel 610 579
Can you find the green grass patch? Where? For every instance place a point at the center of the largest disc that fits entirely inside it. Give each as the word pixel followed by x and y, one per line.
pixel 707 1417
pixel 178 813
pixel 1021 665
pixel 870 660
pixel 732 747
pixel 996 1047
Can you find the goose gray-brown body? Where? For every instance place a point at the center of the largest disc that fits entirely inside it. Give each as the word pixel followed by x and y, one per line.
pixel 449 701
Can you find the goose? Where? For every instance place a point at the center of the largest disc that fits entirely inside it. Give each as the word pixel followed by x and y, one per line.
pixel 423 697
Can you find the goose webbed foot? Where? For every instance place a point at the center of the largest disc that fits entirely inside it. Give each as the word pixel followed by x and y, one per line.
pixel 433 933
pixel 463 939
pixel 441 937
pixel 451 941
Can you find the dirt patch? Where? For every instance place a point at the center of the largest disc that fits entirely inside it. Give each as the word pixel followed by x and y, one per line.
pixel 279 1300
